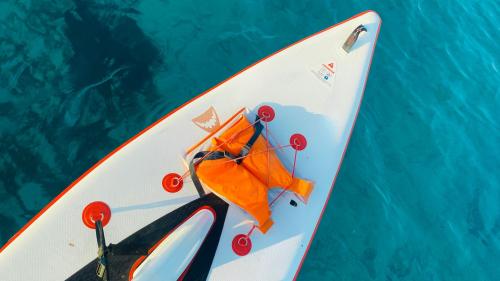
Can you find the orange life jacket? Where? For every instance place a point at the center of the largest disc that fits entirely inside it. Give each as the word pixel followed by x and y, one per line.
pixel 246 181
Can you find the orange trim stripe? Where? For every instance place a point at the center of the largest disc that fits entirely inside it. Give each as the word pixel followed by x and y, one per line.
pixel 134 267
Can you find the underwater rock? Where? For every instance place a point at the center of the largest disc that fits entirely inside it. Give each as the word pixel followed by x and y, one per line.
pixel 112 57
pixel 70 70
pixel 104 40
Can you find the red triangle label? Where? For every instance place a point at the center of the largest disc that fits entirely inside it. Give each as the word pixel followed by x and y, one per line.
pixel 330 65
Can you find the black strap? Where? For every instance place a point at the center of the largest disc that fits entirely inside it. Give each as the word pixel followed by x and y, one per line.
pixel 246 148
pixel 102 252
pixel 214 155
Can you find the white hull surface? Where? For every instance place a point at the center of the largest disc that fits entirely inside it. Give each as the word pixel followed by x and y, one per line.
pixel 55 244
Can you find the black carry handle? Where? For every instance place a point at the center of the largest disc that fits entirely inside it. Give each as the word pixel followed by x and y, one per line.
pixel 353 38
pixel 102 252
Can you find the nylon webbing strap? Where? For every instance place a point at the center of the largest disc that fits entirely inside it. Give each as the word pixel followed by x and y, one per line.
pixel 256 133
pixel 102 252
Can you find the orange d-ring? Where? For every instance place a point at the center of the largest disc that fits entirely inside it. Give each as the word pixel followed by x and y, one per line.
pixel 172 182
pixel 95 211
pixel 242 244
pixel 266 113
pixel 298 141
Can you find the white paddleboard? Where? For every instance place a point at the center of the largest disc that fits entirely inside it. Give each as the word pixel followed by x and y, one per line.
pixel 315 88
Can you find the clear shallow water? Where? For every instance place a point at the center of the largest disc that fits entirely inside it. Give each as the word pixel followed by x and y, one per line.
pixel 418 195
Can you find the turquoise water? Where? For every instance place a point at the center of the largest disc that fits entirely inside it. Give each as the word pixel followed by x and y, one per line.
pixel 418 195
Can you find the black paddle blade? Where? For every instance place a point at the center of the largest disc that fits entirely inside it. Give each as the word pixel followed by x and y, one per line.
pixel 123 255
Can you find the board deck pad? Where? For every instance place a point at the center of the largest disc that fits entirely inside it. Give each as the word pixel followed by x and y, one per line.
pixel 57 245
